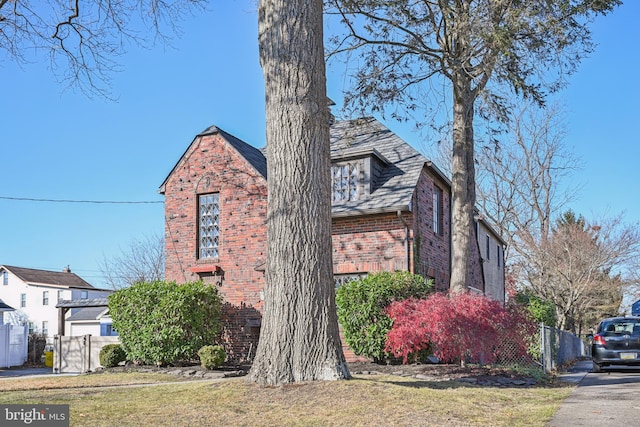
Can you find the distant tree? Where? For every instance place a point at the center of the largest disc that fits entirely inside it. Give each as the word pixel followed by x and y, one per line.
pixel 479 48
pixel 578 268
pixel 142 261
pixel 83 38
pixel 299 337
pixel 520 179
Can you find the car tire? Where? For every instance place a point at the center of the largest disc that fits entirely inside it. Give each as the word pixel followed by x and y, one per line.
pixel 597 368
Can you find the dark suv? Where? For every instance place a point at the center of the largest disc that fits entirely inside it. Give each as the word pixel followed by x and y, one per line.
pixel 617 342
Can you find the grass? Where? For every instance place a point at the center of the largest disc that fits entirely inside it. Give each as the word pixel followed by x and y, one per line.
pixel 379 400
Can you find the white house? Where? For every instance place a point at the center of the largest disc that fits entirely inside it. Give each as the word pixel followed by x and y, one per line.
pixel 35 293
pixel 87 317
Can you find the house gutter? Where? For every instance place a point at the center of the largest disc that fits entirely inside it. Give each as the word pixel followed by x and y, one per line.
pixel 406 240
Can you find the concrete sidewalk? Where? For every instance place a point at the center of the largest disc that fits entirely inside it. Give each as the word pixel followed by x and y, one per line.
pixel 602 399
pixel 576 372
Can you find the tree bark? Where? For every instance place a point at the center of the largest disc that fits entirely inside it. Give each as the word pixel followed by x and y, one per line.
pixel 463 180
pixel 299 338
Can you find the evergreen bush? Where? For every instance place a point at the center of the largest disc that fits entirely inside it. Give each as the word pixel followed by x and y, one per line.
pixel 111 355
pixel 163 323
pixel 361 309
pixel 212 356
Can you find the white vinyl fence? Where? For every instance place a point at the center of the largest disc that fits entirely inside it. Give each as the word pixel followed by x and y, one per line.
pixel 78 354
pixel 14 343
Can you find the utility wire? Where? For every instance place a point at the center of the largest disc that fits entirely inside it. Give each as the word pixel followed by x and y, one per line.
pixel 109 202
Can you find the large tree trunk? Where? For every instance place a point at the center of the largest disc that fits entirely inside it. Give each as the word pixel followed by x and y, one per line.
pixel 463 184
pixel 299 338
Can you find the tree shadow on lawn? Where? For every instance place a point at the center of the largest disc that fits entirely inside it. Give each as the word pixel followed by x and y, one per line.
pixel 471 381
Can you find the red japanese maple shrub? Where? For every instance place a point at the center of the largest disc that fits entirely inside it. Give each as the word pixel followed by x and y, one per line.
pixel 461 328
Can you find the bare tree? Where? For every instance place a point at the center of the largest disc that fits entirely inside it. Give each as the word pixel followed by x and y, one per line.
pixel 580 265
pixel 141 261
pixel 521 178
pixel 477 47
pixel 83 38
pixel 299 339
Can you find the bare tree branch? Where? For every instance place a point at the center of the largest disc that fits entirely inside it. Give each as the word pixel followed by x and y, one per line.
pixel 84 38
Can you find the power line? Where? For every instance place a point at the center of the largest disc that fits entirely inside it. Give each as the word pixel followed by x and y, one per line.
pixel 103 202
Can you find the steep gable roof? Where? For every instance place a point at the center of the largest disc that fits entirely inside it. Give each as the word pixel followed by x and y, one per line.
pixel 43 277
pixel 251 154
pixel 399 177
pixel 254 156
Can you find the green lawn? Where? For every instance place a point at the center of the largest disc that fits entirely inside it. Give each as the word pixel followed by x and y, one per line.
pixel 136 399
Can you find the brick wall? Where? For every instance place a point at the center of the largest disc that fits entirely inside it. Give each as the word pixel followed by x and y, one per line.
pixel 211 165
pixel 368 243
pixel 432 250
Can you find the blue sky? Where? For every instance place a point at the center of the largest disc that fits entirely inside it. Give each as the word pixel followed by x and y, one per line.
pixel 62 145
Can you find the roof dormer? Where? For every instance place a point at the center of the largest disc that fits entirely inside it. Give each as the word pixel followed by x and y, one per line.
pixel 355 173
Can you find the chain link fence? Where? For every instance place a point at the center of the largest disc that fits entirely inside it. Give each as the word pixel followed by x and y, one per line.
pixel 560 348
pixel 549 349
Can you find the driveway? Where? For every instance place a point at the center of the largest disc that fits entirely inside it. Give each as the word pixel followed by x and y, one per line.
pixel 611 398
pixel 23 372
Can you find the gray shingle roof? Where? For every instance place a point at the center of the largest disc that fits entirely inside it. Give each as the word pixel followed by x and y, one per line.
pixel 399 178
pixel 44 277
pixel 87 313
pixel 5 307
pixel 395 186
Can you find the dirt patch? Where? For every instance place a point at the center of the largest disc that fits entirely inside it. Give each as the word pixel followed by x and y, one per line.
pixel 486 375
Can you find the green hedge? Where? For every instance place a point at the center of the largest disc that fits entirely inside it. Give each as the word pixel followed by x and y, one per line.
pixel 361 309
pixel 162 322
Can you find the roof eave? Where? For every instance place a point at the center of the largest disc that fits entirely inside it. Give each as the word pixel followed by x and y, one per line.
pixel 371 211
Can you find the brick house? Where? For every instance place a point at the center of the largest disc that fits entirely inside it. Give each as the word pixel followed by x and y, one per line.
pixel 391 211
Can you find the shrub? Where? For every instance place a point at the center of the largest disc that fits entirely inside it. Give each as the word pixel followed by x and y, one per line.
pixel 212 356
pixel 111 355
pixel 161 322
pixel 36 346
pixel 361 309
pixel 460 328
pixel 541 310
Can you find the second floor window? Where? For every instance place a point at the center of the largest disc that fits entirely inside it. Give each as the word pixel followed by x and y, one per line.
pixel 488 247
pixel 438 214
pixel 23 300
pixel 45 297
pixel 345 182
pixel 60 295
pixel 5 278
pixel 209 226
